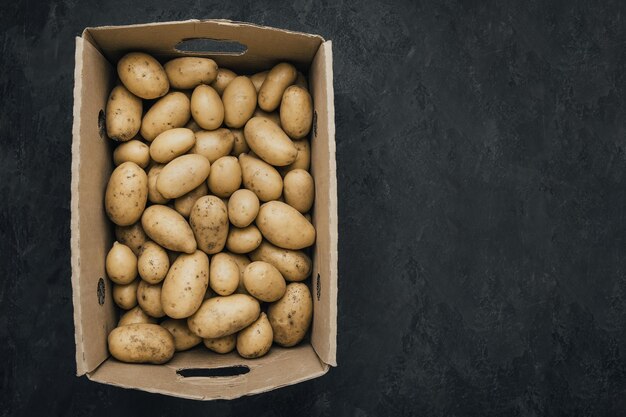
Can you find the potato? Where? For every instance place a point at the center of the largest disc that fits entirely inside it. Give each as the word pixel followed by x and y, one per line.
pixel 123 114
pixel 153 263
pixel 303 160
pixel 132 236
pixel 213 145
pixel 126 194
pixel 224 274
pixel 192 125
pixel 132 151
pixel 290 316
pixel 257 79
pixel 239 145
pixel 224 77
pixel 221 316
pixel 153 194
pixel 278 79
pixel 185 285
pixel 149 299
pixel 308 218
pixel 242 262
pixel 224 344
pixel 141 343
pixel 184 339
pixel 261 178
pixel 184 203
pixel 143 75
pixel 207 108
pixel 243 207
pixel 293 265
pixel 284 226
pixel 299 190
pixel 301 81
pixel 263 281
pixel 189 72
pixel 273 116
pixel 255 340
pixel 169 112
pixel 296 112
pixel 125 296
pixel 243 240
pixel 269 142
pixel 168 228
pixel 239 102
pixel 182 175
pixel 135 316
pixel 209 222
pixel 225 176
pixel 171 144
pixel 121 264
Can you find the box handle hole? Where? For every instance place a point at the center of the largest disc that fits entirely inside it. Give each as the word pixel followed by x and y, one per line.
pixel 213 372
pixel 318 286
pixel 211 46
pixel 102 125
pixel 101 291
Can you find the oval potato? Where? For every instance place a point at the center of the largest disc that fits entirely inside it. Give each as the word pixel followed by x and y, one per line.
pixel 132 236
pixel 277 80
pixel 149 299
pixel 153 194
pixel 255 340
pixel 135 316
pixel 291 316
pixel 269 142
pixel 303 160
pixel 257 79
pixel 169 112
pixel 242 262
pixel 224 344
pixel 221 316
pixel 189 72
pixel 184 203
pixel 143 75
pixel 214 144
pixel 132 151
pixel 239 144
pixel 171 144
pixel 168 228
pixel 125 296
pixel 121 264
pixel 263 281
pixel 299 190
pixel 141 343
pixel 225 176
pixel 224 77
pixel 224 274
pixel 243 207
pixel 207 108
pixel 209 222
pixel 239 102
pixel 126 194
pixel 293 265
pixel 284 226
pixel 185 285
pixel 243 240
pixel 182 175
pixel 153 263
pixel 273 116
pixel 123 114
pixel 261 178
pixel 184 339
pixel 296 112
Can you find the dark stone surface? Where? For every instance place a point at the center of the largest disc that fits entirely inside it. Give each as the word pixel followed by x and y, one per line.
pixel 481 157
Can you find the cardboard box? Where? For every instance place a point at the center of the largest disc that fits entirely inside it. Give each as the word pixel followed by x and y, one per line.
pixel 95 314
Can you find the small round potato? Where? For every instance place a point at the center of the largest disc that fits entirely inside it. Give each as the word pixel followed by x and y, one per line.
pixel 189 72
pixel 135 316
pixel 184 339
pixel 182 175
pixel 284 226
pixel 125 296
pixel 293 265
pixel 239 102
pixel 153 263
pixel 299 190
pixel 185 285
pixel 132 151
pixel 242 262
pixel 224 344
pixel 123 114
pixel 261 178
pixel 209 221
pixel 257 79
pixel 149 299
pixel 143 75
pixel 207 108
pixel 141 343
pixel 263 281
pixel 243 206
pixel 171 144
pixel 221 316
pixel 239 145
pixel 278 79
pixel 169 112
pixel 273 116
pixel 214 144
pixel 121 264
pixel 224 77
pixel 132 236
pixel 303 160
pixel 291 316
pixel 255 340
pixel 168 228
pixel 224 274
pixel 269 142
pixel 243 240
pixel 126 194
pixel 183 204
pixel 225 176
pixel 296 112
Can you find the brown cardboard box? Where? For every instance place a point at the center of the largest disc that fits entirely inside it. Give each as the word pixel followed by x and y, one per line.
pixel 95 314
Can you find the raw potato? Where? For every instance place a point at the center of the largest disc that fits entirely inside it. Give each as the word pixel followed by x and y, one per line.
pixel 299 190
pixel 185 285
pixel 153 263
pixel 183 338
pixel 284 226
pixel 143 75
pixel 257 79
pixel 243 240
pixel 308 218
pixel 296 112
pixel 239 102
pixel 149 299
pixel 192 125
pixel 135 316
pixel 153 194
pixel 126 194
pixel 290 316
pixel 169 112
pixel 224 344
pixel 263 281
pixel 261 178
pixel 206 107
pixel 269 142
pixel 189 72
pixel 182 175
pixel 171 144
pixel 293 265
pixel 224 274
pixel 121 264
pixel 303 160
pixel 214 144
pixel 132 151
pixel 225 176
pixel 273 116
pixel 242 261
pixel 125 296
pixel 239 145
pixel 132 236
pixel 141 343
pixel 168 228
pixel 123 114
pixel 209 222
pixel 278 79
pixel 221 316
pixel 183 204
pixel 255 340
pixel 301 81
pixel 224 77
pixel 243 207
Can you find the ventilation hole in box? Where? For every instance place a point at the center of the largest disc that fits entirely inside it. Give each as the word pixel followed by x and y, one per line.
pixel 314 124
pixel 211 46
pixel 213 372
pixel 102 129
pixel 101 291
pixel 318 287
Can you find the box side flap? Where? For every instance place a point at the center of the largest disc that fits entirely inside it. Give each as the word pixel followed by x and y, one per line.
pixel 90 229
pixel 280 367
pixel 324 170
pixel 160 40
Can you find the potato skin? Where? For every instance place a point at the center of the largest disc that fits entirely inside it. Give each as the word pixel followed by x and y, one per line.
pixel 182 175
pixel 278 79
pixel 261 178
pixel 273 116
pixel 224 274
pixel 268 141
pixel 189 72
pixel 303 159
pixel 214 144
pixel 257 79
pixel 243 207
pixel 207 108
pixel 221 316
pixel 209 222
pixel 171 144
pixel 153 194
pixel 291 316
pixel 184 203
pixel 296 112
pixel 239 102
pixel 224 77
pixel 284 226
pixel 239 144
pixel 225 176
pixel 123 114
pixel 143 75
pixel 132 236
pixel 293 265
pixel 149 299
pixel 121 264
pixel 153 263
pixel 242 262
pixel 299 190
pixel 135 316
pixel 224 344
pixel 125 296
pixel 126 194
pixel 141 343
pixel 168 228
pixel 243 240
pixel 184 339
pixel 263 281
pixel 169 112
pixel 132 151
pixel 185 285
pixel 255 340
pixel 301 81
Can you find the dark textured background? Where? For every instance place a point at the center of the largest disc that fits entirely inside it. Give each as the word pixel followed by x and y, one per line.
pixel 481 167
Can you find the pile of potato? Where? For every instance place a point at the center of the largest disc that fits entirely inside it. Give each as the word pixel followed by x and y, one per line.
pixel 210 197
